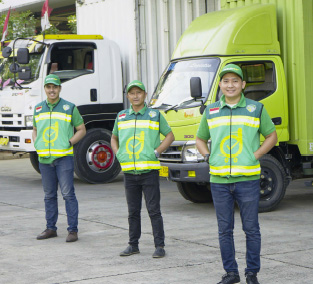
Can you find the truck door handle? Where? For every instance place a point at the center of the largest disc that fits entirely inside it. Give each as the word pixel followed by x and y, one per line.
pixel 276 120
pixel 93 95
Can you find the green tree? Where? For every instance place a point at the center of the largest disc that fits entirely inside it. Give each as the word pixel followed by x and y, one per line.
pixel 53 30
pixel 71 22
pixel 21 24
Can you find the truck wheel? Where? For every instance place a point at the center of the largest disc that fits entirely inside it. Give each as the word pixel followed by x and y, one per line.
pixel 273 183
pixel 33 156
pixel 94 159
pixel 194 192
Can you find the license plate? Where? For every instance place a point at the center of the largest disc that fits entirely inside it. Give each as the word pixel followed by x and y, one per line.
pixel 164 171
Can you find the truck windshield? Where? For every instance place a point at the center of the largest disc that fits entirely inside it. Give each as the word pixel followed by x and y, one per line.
pixel 173 89
pixel 7 77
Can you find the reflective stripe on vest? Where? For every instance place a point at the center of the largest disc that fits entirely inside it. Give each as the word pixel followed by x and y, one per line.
pixel 138 124
pixel 54 115
pixel 55 152
pixel 235 170
pixel 148 165
pixel 235 120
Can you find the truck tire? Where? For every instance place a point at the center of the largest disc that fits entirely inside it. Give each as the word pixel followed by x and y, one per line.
pixel 33 156
pixel 94 160
pixel 194 192
pixel 273 183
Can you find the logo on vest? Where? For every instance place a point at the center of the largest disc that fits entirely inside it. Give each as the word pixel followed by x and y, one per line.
pixel 251 108
pixel 152 114
pixel 136 147
pixel 66 107
pixel 38 109
pixel 50 134
pixel 231 151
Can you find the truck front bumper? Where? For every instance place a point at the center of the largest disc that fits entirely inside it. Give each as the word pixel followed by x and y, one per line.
pixel 17 141
pixel 191 172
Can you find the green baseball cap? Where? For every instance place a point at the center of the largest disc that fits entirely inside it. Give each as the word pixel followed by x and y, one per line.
pixel 52 79
pixel 231 68
pixel 136 83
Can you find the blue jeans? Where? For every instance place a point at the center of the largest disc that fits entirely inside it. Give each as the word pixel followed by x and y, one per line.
pixel 149 185
pixel 247 195
pixel 60 172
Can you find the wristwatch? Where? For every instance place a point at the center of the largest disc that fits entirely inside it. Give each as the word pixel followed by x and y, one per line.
pixel 69 141
pixel 206 158
pixel 157 154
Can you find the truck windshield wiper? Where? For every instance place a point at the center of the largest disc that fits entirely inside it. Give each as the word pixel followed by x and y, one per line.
pixel 161 105
pixel 174 107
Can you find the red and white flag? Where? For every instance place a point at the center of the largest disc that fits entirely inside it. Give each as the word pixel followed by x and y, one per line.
pixel 214 110
pixel 5 27
pixel 45 13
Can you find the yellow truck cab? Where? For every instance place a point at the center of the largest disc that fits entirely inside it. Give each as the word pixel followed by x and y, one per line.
pixel 90 70
pixel 273 46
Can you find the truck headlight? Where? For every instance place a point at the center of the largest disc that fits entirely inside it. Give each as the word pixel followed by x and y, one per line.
pixel 191 153
pixel 29 121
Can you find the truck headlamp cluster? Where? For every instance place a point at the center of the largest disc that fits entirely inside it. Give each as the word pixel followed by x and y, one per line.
pixel 29 121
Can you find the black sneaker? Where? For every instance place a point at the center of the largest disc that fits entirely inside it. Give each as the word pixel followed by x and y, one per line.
pixel 159 252
pixel 230 278
pixel 251 278
pixel 129 251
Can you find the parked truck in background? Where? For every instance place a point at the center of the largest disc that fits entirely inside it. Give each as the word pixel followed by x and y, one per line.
pixel 91 75
pixel 272 43
pixel 146 36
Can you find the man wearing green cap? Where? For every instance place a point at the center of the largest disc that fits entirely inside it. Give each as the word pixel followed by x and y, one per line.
pixel 234 124
pixel 53 135
pixel 136 143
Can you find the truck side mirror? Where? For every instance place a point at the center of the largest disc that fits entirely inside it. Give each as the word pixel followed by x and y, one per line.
pixel 6 52
pixel 196 91
pixel 23 55
pixel 24 73
pixel 195 87
pixel 14 67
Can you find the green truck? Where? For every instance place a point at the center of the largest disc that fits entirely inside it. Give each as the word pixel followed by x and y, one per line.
pixel 273 44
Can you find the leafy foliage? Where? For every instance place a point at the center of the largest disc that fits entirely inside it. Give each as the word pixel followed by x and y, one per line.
pixel 71 22
pixel 21 24
pixel 53 30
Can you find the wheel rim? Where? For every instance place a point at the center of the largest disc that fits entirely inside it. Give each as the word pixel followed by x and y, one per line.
pixel 267 184
pixel 99 156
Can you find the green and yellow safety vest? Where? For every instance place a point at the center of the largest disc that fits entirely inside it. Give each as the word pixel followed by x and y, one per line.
pixel 138 136
pixel 235 137
pixel 54 129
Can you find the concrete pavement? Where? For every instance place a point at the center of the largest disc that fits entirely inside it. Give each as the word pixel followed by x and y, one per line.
pixel 191 237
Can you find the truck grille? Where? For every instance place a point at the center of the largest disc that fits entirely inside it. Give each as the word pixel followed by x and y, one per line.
pixel 15 119
pixel 173 153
